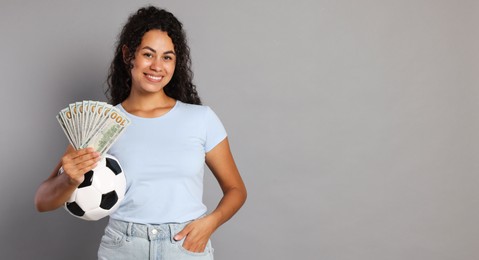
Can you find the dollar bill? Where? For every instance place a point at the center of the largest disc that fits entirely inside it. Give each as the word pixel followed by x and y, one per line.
pixel 67 119
pixel 74 121
pixel 109 131
pixel 65 130
pixel 92 124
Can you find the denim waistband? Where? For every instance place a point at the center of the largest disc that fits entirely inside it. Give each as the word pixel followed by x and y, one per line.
pixel 148 231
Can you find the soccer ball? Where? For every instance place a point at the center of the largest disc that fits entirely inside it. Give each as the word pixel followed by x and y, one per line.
pixel 100 193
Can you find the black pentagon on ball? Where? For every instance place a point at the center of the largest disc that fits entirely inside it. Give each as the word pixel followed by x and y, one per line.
pixel 113 165
pixel 108 200
pixel 88 180
pixel 75 209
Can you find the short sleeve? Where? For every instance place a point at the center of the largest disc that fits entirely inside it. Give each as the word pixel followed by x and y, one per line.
pixel 215 131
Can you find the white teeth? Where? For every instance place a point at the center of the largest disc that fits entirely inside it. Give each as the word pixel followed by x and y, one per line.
pixel 153 77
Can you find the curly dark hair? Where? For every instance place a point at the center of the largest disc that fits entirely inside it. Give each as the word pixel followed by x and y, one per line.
pixel 145 19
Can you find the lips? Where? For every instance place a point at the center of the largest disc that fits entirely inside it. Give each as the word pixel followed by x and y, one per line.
pixel 153 78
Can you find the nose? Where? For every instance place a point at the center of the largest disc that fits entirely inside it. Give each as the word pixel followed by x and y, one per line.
pixel 156 65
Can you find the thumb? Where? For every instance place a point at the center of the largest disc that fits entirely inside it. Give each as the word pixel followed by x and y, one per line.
pixel 182 233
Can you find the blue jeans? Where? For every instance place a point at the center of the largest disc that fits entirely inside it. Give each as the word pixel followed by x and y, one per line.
pixel 131 241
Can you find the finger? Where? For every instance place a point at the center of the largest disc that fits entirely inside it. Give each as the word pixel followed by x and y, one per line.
pixel 193 243
pixel 196 247
pixel 86 158
pixel 75 156
pixel 201 248
pixel 75 153
pixel 87 166
pixel 80 162
pixel 77 174
pixel 182 233
pixel 85 153
pixel 80 168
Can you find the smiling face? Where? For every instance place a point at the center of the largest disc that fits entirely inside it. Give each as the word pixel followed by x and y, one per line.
pixel 154 63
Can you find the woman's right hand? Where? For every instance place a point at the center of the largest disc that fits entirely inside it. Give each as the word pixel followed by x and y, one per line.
pixel 76 163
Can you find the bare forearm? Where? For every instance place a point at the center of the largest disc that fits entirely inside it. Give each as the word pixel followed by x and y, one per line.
pixel 231 202
pixel 222 165
pixel 53 193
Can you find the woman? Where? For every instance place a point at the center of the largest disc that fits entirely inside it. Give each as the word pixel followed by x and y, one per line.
pixel 162 152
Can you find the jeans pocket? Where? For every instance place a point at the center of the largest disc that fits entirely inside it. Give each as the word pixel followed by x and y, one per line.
pixel 208 249
pixel 112 238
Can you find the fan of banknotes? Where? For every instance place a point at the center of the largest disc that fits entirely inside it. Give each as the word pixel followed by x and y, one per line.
pixel 92 124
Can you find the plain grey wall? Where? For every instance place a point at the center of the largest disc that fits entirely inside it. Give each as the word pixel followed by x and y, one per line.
pixel 354 123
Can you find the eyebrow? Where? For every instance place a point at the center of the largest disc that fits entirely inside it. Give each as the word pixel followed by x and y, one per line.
pixel 153 50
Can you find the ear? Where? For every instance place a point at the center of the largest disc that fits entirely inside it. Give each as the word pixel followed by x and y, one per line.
pixel 125 52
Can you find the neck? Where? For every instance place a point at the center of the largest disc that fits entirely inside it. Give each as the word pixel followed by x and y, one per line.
pixel 147 102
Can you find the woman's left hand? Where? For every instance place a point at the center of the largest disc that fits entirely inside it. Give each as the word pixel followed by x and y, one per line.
pixel 197 234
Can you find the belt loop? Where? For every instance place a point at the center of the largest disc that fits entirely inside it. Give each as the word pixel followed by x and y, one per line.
pixel 129 231
pixel 172 232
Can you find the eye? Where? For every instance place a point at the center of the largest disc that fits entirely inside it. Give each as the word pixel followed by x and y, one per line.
pixel 147 55
pixel 167 57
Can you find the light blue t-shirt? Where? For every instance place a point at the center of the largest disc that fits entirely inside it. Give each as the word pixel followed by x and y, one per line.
pixel 163 159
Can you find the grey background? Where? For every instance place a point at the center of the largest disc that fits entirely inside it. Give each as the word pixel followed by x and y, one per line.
pixel 354 123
